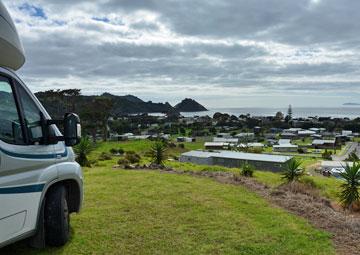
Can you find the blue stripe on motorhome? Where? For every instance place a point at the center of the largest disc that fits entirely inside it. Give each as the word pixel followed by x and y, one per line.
pixel 34 156
pixel 22 189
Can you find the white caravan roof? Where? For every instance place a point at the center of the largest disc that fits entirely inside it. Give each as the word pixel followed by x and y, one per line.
pixel 11 49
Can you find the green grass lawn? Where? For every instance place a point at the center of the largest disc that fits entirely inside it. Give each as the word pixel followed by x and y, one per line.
pixel 135 212
pixel 304 141
pixel 142 146
pixel 329 187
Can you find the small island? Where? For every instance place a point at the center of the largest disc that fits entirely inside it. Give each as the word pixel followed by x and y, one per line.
pixel 189 105
pixel 351 104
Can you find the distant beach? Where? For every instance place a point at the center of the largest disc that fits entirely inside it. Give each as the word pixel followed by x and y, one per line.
pixel 335 112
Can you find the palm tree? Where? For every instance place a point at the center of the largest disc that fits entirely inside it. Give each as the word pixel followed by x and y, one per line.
pixel 292 171
pixel 350 193
pixel 82 150
pixel 157 153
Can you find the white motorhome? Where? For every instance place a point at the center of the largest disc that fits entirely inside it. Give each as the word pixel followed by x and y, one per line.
pixel 40 182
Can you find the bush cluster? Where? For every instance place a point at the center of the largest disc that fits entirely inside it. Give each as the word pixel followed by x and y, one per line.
pixel 247 170
pixel 104 156
pixel 326 154
pixel 301 150
pixel 181 145
pixel 132 157
pixel 255 150
pixel 117 151
pixel 123 161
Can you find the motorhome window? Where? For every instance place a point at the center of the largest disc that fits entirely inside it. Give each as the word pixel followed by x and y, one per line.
pixel 10 127
pixel 32 115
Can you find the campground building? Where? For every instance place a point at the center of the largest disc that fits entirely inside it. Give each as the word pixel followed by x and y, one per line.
pixel 216 146
pixel 324 144
pixel 267 162
pixel 285 148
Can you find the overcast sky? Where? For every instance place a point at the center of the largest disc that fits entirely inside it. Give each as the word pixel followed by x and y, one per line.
pixel 223 53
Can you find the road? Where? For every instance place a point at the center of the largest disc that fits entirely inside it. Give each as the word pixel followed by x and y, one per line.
pixel 353 146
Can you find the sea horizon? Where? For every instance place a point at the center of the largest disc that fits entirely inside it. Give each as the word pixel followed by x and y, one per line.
pixel 351 112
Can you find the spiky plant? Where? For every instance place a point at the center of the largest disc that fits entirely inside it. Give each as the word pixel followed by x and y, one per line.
pixel 82 150
pixel 353 157
pixel 157 153
pixel 350 189
pixel 292 171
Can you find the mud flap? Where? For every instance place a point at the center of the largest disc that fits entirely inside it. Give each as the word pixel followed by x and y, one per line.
pixel 38 240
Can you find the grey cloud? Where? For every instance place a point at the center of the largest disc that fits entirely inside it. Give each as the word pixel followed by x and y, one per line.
pixel 204 45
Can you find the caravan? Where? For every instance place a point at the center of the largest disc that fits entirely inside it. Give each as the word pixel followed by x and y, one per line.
pixel 40 182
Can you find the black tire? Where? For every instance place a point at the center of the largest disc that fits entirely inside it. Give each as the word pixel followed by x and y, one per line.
pixel 56 215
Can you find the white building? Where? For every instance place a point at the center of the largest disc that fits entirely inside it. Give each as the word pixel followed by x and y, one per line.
pixel 304 133
pixel 216 145
pixel 346 132
pixel 255 145
pixel 284 141
pixel 225 140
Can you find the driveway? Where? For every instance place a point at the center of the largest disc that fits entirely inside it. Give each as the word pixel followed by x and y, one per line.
pixel 353 146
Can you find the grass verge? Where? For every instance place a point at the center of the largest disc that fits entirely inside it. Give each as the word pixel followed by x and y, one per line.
pixel 146 212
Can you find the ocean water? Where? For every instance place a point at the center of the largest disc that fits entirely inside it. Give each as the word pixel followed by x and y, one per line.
pixel 335 112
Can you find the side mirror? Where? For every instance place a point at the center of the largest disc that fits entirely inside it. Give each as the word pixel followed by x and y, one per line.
pixel 72 129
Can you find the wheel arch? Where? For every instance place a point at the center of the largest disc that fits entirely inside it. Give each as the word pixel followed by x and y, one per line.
pixel 74 199
pixel 73 193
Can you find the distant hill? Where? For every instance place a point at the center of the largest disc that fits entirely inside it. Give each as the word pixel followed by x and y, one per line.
pixel 57 106
pixel 189 105
pixel 351 104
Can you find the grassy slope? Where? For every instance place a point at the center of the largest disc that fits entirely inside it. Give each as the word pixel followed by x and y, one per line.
pixel 147 213
pixel 128 212
pixel 329 187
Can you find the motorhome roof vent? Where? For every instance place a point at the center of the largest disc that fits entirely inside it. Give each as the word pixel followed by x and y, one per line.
pixel 11 49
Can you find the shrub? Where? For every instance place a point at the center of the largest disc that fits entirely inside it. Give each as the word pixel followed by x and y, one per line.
pixel 255 150
pixel 181 145
pixel 247 170
pixel 157 153
pixel 132 157
pixel 117 151
pixel 292 171
pixel 104 156
pixel 301 150
pixel 123 161
pixel 82 150
pixel 171 145
pixel 349 194
pixel 326 155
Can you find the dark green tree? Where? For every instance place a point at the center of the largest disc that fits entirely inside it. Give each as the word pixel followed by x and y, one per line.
pixel 289 115
pixel 95 115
